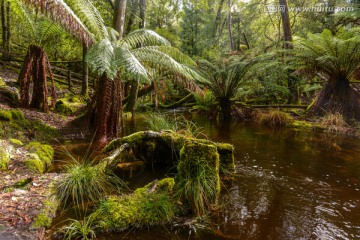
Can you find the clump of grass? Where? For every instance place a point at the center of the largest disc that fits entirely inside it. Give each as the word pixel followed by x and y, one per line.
pixel 334 122
pixel 158 122
pixel 79 229
pixel 197 180
pixel 274 118
pixel 84 182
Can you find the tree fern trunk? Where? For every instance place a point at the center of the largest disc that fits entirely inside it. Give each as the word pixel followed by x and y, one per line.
pixel 337 96
pixel 225 108
pixel 34 69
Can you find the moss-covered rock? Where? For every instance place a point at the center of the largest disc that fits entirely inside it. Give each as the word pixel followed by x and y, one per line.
pixel 147 206
pixel 68 105
pixel 34 164
pixel 164 148
pixel 40 156
pixel 4 159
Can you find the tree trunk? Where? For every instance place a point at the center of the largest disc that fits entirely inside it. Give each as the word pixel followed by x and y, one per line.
pixel 119 17
pixel 35 68
pixel 85 75
pixel 106 114
pixel 130 106
pixel 229 27
pixel 337 96
pixel 225 108
pixel 217 22
pixel 292 81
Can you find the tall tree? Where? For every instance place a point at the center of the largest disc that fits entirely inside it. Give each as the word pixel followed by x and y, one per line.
pixel 292 85
pixel 229 23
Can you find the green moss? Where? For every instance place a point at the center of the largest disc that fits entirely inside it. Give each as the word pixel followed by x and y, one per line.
pixel 5 115
pixel 142 208
pixel 68 105
pixel 42 220
pixel 17 115
pixel 4 160
pixel 22 183
pixel 2 83
pixel 226 153
pixel 44 152
pixel 16 142
pixel 301 124
pixel 35 164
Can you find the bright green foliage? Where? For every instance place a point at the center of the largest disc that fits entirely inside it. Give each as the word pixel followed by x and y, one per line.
pixel 197 179
pixel 84 182
pixel 4 159
pixel 16 142
pixel 143 208
pixel 42 220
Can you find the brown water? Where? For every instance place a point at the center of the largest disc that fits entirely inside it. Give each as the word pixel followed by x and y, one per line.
pixel 289 185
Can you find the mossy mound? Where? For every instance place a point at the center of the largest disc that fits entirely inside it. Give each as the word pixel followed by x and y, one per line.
pixel 4 159
pixel 147 206
pixel 68 105
pixel 5 115
pixel 164 148
pixel 40 156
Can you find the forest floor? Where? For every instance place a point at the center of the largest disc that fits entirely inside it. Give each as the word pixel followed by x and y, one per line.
pixel 23 193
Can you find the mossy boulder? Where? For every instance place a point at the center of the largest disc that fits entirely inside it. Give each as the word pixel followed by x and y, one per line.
pixel 40 156
pixel 147 206
pixel 4 159
pixel 68 105
pixel 9 115
pixel 164 148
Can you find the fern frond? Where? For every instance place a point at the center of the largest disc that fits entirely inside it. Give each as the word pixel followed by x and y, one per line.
pixel 61 13
pixel 143 37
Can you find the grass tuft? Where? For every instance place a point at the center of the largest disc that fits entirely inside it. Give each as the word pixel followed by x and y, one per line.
pixel 335 122
pixel 273 118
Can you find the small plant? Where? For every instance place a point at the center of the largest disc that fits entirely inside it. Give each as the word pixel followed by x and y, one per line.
pixel 79 229
pixel 85 182
pixel 334 122
pixel 274 118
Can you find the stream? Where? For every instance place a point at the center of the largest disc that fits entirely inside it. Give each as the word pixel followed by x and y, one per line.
pixel 289 184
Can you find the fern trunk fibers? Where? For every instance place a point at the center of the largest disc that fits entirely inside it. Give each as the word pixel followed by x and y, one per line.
pixel 34 70
pixel 107 109
pixel 337 96
pixel 225 108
